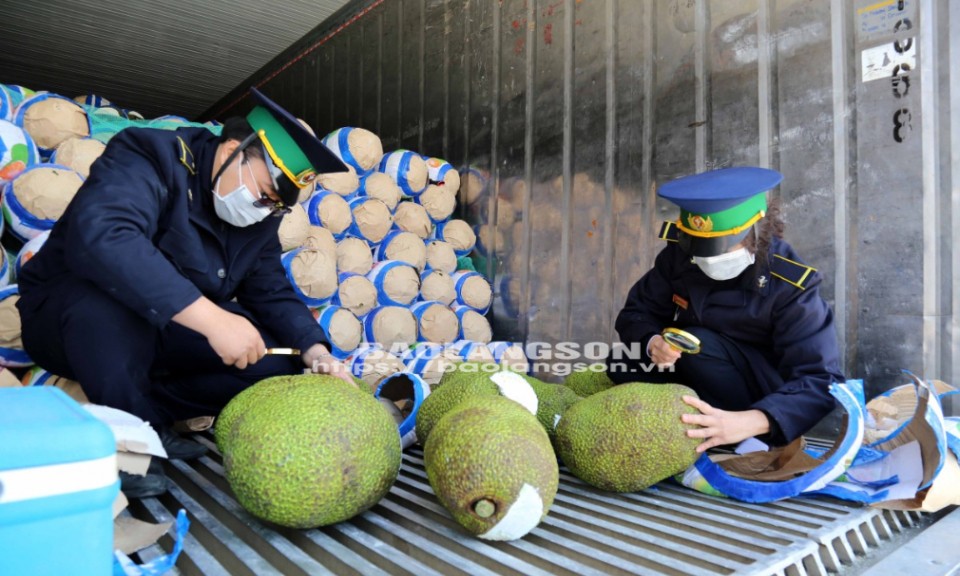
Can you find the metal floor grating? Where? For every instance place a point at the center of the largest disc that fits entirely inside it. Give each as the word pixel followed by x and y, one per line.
pixel 666 529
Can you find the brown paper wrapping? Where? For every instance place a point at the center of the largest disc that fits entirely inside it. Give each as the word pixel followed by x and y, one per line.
pixel 407 247
pixel 471 188
pixel 379 364
pixel 451 181
pixel 393 326
pixel 10 327
pixel 491 238
pixel 412 217
pixel 54 120
pixel 294 228
pixel 382 187
pixel 79 153
pixel 319 238
pixel 345 329
pixel 435 368
pixel 358 295
pixel 438 286
pixel 440 256
pixel 476 328
pixel 335 213
pixel 315 273
pixel 342 183
pixel 476 292
pixel 459 234
pixel 438 201
pixel 354 255
pixel 45 192
pixel 402 284
pixel 366 148
pixel 373 218
pixel 439 324
pixel 8 379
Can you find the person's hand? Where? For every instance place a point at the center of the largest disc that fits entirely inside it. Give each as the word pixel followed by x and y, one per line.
pixel 320 361
pixel 236 340
pixel 663 354
pixel 719 427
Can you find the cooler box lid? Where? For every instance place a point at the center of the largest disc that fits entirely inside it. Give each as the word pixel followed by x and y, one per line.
pixel 41 426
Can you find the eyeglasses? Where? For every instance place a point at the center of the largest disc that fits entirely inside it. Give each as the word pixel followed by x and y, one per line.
pixel 276 207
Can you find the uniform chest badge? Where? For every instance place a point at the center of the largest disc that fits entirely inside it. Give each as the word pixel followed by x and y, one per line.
pixel 762 281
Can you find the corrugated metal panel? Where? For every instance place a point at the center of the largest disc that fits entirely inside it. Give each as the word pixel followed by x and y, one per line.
pixel 665 529
pixel 574 109
pixel 156 57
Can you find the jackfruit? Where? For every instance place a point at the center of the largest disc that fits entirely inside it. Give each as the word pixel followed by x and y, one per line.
pixel 589 381
pixel 252 396
pixel 628 437
pixel 313 455
pixel 462 385
pixel 491 465
pixel 553 400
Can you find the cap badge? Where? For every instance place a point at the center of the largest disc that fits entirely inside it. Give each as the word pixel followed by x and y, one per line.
pixel 306 177
pixel 699 223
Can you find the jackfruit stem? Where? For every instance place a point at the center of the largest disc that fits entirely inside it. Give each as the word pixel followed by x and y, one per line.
pixel 484 508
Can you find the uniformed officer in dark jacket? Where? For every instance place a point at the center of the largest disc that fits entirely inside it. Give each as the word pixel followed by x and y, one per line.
pixel 161 288
pixel 768 350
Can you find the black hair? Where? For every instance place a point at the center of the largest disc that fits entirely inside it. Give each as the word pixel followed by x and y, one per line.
pixel 769 227
pixel 236 128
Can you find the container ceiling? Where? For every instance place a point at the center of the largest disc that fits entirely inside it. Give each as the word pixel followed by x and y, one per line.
pixel 153 56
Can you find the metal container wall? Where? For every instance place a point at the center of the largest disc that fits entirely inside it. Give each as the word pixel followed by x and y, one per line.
pixel 567 113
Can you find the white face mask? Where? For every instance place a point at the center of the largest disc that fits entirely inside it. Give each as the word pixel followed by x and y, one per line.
pixel 237 207
pixel 725 266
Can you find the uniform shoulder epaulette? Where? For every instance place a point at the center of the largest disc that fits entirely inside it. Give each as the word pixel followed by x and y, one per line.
pixel 791 272
pixel 668 231
pixel 186 155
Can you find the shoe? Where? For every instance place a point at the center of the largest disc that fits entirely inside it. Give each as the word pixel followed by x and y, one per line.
pixel 152 484
pixel 179 448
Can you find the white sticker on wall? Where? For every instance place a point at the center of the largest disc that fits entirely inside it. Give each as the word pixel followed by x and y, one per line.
pixel 889 59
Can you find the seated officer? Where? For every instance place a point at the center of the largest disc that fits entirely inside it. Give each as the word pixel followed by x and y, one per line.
pixel 161 288
pixel 768 348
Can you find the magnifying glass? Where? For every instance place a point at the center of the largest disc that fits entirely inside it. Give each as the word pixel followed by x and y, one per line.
pixel 681 341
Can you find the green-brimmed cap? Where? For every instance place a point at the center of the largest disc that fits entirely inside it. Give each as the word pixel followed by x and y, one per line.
pixel 719 207
pixel 294 155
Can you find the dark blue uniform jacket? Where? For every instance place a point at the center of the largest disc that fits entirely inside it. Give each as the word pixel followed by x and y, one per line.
pixel 785 331
pixel 143 229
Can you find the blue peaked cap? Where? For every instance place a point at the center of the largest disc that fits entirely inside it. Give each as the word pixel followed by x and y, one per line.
pixel 716 190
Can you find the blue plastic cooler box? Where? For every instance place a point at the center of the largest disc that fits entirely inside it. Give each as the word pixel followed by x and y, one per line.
pixel 58 481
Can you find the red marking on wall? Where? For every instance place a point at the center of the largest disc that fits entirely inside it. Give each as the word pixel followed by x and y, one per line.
pixel 516 24
pixel 518 46
pixel 548 34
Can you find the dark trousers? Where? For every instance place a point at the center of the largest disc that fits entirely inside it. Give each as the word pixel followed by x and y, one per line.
pixel 123 361
pixel 720 374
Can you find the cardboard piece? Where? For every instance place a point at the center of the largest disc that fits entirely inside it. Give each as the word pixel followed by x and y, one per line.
pixel 131 535
pixel 8 379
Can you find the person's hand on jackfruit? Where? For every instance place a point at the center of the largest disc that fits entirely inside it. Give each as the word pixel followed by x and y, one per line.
pixel 719 427
pixel 320 361
pixel 663 354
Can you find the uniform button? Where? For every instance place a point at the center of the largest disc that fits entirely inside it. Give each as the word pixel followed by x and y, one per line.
pixel 221 273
